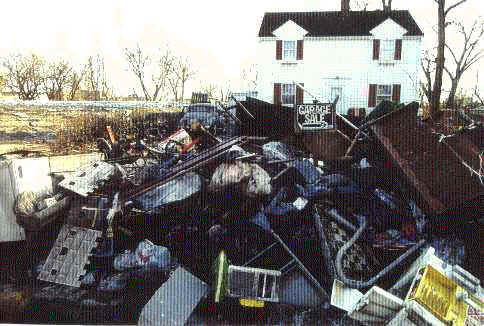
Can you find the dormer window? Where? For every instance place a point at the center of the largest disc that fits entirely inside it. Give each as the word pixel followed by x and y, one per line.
pixel 387 50
pixel 289 50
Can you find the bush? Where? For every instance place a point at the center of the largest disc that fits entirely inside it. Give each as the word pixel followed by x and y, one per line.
pixel 82 132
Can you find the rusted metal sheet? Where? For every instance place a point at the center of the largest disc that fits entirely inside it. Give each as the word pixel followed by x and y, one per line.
pixel 331 144
pixel 270 120
pixel 440 180
pixel 326 145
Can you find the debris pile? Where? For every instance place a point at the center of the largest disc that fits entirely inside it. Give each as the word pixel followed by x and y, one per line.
pixel 241 223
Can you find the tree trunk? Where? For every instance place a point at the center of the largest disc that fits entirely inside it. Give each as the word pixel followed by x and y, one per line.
pixel 387 5
pixel 439 61
pixel 453 90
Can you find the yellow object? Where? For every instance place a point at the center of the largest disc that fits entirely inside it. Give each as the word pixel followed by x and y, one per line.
pixel 441 296
pixel 252 303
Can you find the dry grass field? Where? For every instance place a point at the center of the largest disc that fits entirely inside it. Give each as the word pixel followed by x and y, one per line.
pixel 59 132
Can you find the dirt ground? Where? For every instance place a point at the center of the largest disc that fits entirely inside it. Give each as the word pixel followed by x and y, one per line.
pixel 17 124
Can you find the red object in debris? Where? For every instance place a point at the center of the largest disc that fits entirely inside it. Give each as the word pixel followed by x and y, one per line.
pixel 111 134
pixel 409 230
pixel 188 147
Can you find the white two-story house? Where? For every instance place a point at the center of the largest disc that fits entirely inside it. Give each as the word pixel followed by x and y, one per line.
pixel 362 56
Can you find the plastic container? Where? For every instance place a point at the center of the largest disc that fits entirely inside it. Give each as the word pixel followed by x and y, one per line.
pixel 441 296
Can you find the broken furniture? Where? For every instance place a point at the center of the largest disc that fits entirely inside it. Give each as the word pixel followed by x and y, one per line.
pixel 439 294
pixel 252 286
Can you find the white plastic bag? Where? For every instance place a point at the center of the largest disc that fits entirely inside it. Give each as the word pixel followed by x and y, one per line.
pixel 259 183
pixel 228 174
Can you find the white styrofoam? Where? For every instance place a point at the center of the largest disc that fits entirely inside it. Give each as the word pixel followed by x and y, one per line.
pixel 29 174
pixel 9 229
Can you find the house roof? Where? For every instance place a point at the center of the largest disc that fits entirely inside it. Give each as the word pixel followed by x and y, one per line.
pixel 336 23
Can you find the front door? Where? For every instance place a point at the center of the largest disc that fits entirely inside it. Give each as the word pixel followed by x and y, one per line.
pixel 337 91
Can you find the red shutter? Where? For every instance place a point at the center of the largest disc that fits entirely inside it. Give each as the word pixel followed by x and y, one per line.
pixel 278 50
pixel 396 93
pixel 376 49
pixel 299 95
pixel 277 93
pixel 372 96
pixel 398 50
pixel 300 48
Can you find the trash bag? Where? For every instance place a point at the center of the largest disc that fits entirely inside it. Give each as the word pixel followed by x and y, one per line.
pixel 115 282
pixel 307 169
pixel 229 174
pixel 146 255
pixel 253 179
pixel 174 191
pixel 278 151
pixel 259 183
pixel 26 203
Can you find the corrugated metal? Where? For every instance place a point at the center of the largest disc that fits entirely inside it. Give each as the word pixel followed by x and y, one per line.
pixel 438 177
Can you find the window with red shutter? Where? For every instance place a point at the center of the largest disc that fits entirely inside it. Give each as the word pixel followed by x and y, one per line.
pixel 372 96
pixel 376 49
pixel 278 50
pixel 398 50
pixel 396 93
pixel 277 93
pixel 300 49
pixel 299 94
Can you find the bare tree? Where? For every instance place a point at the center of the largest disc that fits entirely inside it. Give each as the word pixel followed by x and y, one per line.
pixel 387 5
pixel 164 67
pixel 75 80
pixel 2 82
pixel 428 67
pixel 345 5
pixel 477 92
pixel 140 64
pixel 24 75
pixel 469 55
pixel 56 79
pixel 225 90
pixel 181 72
pixel 174 83
pixel 96 80
pixel 440 57
pixel 360 4
pixel 210 90
pixel 251 77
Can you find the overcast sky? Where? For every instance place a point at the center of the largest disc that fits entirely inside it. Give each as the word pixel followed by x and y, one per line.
pixel 219 36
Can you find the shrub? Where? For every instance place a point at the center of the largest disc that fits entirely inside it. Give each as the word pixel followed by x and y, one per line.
pixel 80 133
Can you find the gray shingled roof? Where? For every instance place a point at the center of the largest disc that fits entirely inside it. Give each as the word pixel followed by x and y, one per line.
pixel 335 23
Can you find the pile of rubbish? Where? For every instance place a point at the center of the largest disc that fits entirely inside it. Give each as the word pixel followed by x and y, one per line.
pixel 197 226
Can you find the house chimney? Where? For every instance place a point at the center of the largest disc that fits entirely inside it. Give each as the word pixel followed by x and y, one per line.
pixel 345 6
